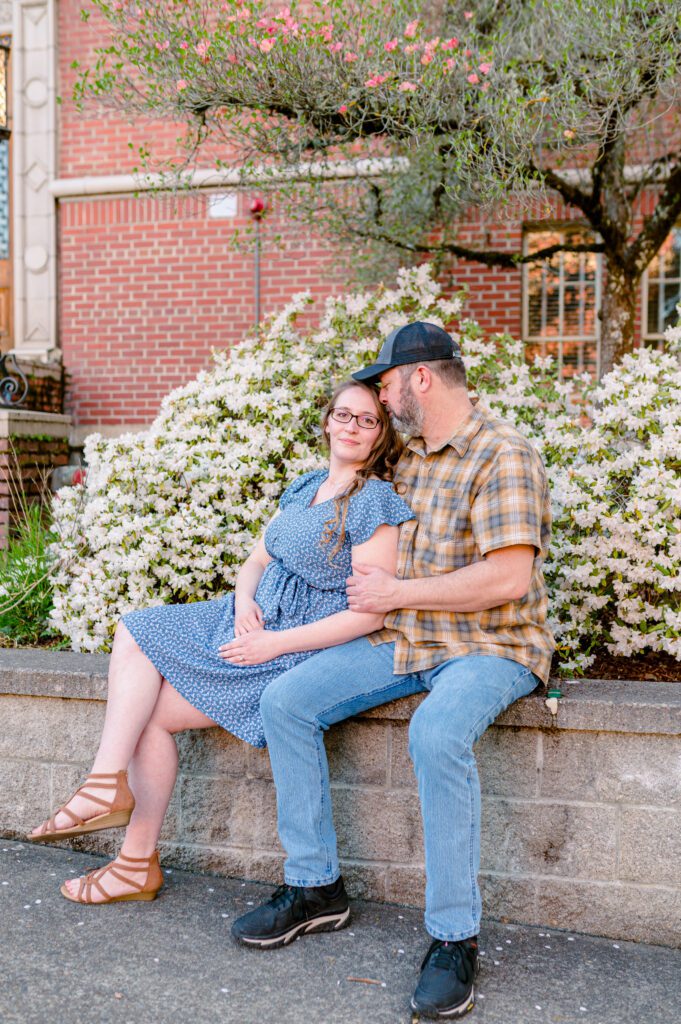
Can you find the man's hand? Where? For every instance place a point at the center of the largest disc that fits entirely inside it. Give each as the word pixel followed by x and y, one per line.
pixel 253 648
pixel 371 589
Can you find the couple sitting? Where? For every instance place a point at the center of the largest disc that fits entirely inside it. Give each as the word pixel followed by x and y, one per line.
pixel 397 570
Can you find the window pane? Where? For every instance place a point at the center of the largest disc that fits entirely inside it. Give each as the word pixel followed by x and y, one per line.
pixel 589 358
pixel 573 321
pixel 669 254
pixel 672 295
pixel 561 298
pixel 653 306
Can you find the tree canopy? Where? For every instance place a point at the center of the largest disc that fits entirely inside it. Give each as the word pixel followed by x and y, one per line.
pixel 451 105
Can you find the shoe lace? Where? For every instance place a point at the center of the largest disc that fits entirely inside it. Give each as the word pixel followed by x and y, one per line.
pixel 282 896
pixel 449 956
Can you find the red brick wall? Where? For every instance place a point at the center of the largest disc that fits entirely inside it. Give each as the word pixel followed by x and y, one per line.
pixel 146 291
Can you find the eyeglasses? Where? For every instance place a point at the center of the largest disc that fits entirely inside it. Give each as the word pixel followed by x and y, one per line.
pixel 364 420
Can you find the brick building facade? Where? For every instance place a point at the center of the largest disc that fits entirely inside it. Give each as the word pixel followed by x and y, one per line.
pixel 133 292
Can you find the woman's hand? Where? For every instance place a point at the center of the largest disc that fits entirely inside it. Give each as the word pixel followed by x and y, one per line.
pixel 247 616
pixel 253 648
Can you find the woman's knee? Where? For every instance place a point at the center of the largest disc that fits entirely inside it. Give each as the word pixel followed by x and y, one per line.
pixel 123 641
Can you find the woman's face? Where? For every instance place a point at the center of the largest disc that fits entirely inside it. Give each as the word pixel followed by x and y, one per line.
pixel 348 442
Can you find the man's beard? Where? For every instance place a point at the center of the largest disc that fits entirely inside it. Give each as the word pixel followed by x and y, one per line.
pixel 410 420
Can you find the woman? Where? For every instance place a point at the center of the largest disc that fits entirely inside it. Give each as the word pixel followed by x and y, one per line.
pixel 193 666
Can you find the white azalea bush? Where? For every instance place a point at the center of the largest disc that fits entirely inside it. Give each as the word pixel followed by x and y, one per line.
pixel 170 513
pixel 615 567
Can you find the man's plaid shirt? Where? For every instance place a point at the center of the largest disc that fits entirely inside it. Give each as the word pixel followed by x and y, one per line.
pixel 484 489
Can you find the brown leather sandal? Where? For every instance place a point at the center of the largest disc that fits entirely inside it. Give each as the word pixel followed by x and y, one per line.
pixel 118 810
pixel 148 890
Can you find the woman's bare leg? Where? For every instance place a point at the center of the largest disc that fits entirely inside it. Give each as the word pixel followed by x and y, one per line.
pixel 152 773
pixel 134 685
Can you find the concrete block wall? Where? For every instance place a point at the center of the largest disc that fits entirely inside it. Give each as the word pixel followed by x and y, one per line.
pixel 582 816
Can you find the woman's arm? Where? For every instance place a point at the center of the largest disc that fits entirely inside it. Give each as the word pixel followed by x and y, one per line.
pixel 264 645
pixel 247 613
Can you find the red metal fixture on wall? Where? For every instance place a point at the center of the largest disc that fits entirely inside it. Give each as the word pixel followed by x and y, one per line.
pixel 257 211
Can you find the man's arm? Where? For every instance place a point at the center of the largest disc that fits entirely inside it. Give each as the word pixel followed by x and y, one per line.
pixel 501 576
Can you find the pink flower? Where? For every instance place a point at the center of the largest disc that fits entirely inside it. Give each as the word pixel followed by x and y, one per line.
pixel 265 45
pixel 326 32
pixel 468 15
pixel 202 48
pixel 485 68
pixel 376 80
pixel 350 57
pixel 412 48
pixel 232 58
pixel 450 63
pixel 391 45
pixel 450 44
pixel 427 57
pixel 411 29
pixel 468 53
pixel 407 87
pixel 473 79
pixel 181 85
pixel 335 47
pixel 485 86
pixel 343 109
pixel 184 46
pixel 163 46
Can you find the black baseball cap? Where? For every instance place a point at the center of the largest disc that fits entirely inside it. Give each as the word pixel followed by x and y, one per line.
pixel 418 342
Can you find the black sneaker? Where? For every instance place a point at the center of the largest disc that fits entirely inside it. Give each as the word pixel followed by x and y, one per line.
pixel 445 988
pixel 291 911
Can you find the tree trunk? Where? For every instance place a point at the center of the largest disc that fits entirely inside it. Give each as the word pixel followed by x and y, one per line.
pixel 618 312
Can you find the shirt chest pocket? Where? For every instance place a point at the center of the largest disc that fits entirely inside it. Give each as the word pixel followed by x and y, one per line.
pixel 446 517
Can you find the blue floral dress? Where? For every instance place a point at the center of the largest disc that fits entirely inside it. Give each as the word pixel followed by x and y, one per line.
pixel 299 585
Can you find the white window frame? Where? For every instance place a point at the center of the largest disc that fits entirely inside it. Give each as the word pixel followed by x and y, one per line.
pixel 652 338
pixel 528 339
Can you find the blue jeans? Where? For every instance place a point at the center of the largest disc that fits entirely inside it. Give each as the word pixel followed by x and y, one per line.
pixel 465 696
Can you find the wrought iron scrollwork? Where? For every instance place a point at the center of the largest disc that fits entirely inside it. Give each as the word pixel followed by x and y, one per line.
pixel 13 382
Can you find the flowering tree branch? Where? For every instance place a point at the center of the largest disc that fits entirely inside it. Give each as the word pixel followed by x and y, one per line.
pixel 483 106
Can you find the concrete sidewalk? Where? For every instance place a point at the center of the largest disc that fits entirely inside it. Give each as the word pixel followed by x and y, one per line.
pixel 173 961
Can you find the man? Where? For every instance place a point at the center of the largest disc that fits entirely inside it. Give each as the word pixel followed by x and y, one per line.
pixel 465 622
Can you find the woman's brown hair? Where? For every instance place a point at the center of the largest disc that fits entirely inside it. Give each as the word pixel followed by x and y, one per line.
pixel 379 465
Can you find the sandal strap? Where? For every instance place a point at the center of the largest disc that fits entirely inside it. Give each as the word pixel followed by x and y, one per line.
pixel 84 792
pixel 52 823
pixel 93 879
pixel 128 881
pixel 136 860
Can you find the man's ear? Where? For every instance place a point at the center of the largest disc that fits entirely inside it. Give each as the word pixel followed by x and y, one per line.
pixel 424 378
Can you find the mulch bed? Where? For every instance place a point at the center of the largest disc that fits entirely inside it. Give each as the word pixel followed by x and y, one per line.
pixel 660 668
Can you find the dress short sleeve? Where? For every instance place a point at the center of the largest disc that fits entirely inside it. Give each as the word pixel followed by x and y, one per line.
pixel 302 489
pixel 375 505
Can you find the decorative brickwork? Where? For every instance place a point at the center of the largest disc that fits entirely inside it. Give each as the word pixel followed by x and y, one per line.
pixel 31 446
pixel 45 386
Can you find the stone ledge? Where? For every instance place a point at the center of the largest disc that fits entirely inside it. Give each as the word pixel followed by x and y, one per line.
pixel 602 705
